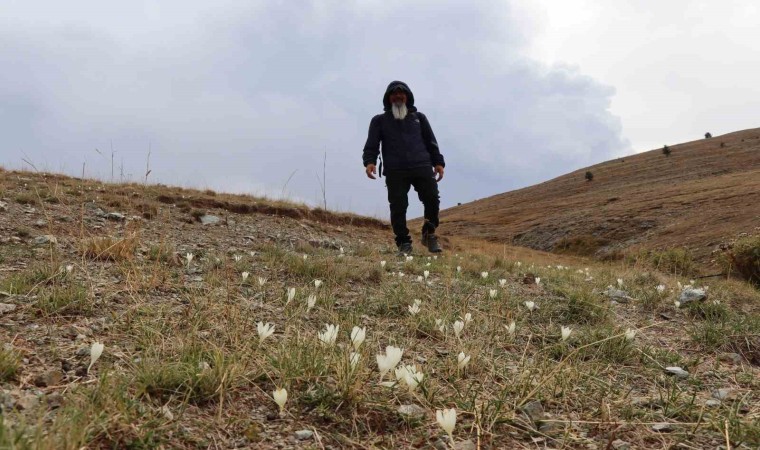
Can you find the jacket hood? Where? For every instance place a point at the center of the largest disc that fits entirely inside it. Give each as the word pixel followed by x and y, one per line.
pixel 409 96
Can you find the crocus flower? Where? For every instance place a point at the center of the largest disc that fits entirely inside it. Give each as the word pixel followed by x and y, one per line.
pixel 538 280
pixel 353 359
pixel 69 268
pixel 519 264
pixel 484 275
pixel 426 274
pixel 238 258
pixel 317 283
pixel 305 256
pixel 462 360
pixel 310 302
pixel 245 275
pixel 660 288
pixel 330 334
pixel 95 351
pixel 459 269
pixel 468 318
pixel 620 282
pixel 441 326
pixel 630 334
pixel 189 258
pixel 566 333
pixel 447 419
pixel 262 281
pixel 389 360
pixel 502 282
pixel 280 397
pixel 357 336
pixel 382 264
pixel 530 305
pixel 458 327
pixel 414 309
pixel 264 330
pixel 420 279
pixel 291 294
pixel 409 258
pixel 511 328
pixel 492 293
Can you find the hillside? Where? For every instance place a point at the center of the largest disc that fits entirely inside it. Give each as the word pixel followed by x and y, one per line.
pixel 152 317
pixel 706 193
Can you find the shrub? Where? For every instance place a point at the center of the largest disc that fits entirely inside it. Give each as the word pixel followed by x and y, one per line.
pixel 744 258
pixel 589 175
pixel 676 261
pixel 708 135
pixel 666 150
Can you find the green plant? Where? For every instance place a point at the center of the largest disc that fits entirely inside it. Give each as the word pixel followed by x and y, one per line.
pixel 744 258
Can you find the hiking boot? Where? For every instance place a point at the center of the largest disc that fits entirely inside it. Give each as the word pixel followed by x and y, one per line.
pixel 431 241
pixel 405 249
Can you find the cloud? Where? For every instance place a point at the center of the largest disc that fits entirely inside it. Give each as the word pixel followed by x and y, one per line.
pixel 238 97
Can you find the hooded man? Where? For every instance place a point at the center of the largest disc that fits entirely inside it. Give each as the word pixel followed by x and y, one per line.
pixel 410 157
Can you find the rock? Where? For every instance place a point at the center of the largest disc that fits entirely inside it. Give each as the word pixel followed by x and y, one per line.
pixel 3 206
pixel 54 400
pixel 412 411
pixel 690 295
pixel 619 444
pixel 617 295
pixel 440 444
pixel 83 350
pixel 723 394
pixel 208 219
pixel 117 217
pixel 466 444
pixel 49 378
pixel 303 435
pixel 44 239
pixel 6 308
pixel 534 410
pixel 677 371
pixel 662 427
pixel 712 403
pixel 40 223
pixel 733 358
pixel 27 402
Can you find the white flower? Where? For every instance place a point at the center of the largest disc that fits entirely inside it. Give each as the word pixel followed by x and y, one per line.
pixel 305 256
pixel 341 249
pixel 620 282
pixel 660 288
pixel 291 294
pixel 414 309
pixel 357 336
pixel 353 359
pixel 458 327
pixel 492 293
pixel 447 419
pixel 677 303
pixel 238 258
pixel 679 285
pixel 413 379
pixel 389 360
pixel 310 302
pixel 264 330
pixel 566 333
pixel 330 334
pixel 69 268
pixel 435 256
pixel 400 274
pixel 189 258
pixel 530 305
pixel 245 275
pixel 382 264
pixel 484 275
pixel 280 397
pixel 262 281
pixel 468 318
pixel 252 254
pixel 538 280
pixel 317 283
pixel 502 282
pixel 519 264
pixel 630 334
pixel 428 264
pixel 426 274
pixel 420 279
pixel 95 351
pixel 459 269
pixel 409 258
pixel 511 328
pixel 462 360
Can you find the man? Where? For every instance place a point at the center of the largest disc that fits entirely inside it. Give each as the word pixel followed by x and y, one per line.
pixel 410 157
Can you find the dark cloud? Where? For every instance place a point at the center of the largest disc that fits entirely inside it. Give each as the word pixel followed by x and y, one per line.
pixel 241 98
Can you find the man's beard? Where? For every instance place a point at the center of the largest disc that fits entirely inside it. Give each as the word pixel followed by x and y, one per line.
pixel 399 111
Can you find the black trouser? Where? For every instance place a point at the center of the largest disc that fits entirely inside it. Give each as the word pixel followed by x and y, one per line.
pixel 398 183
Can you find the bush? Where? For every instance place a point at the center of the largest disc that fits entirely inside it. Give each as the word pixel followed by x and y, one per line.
pixel 589 175
pixel 708 135
pixel 675 261
pixel 666 150
pixel 744 258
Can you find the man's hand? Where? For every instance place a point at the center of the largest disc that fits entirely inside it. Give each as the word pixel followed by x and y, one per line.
pixel 370 169
pixel 439 173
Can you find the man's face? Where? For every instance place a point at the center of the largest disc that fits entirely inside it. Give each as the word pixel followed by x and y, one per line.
pixel 398 96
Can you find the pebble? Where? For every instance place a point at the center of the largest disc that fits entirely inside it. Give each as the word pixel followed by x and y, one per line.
pixel 692 295
pixel 412 411
pixel 534 410
pixel 619 444
pixel 44 239
pixel 722 394
pixel 3 206
pixel 6 308
pixel 208 219
pixel 712 402
pixel 677 371
pixel 118 217
pixel 303 435
pixel 466 444
pixel 662 427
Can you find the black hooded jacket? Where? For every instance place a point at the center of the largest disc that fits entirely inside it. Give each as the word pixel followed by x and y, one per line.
pixel 408 143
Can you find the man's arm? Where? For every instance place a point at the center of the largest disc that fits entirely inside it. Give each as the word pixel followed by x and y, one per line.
pixel 372 146
pixel 430 142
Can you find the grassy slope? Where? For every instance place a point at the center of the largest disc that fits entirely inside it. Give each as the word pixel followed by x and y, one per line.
pixel 706 193
pixel 183 366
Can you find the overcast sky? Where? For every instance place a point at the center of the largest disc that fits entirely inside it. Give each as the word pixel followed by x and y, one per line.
pixel 239 96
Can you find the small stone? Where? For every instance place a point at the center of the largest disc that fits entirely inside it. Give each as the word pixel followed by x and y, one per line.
pixel 54 400
pixel 534 410
pixel 44 239
pixel 712 403
pixel 50 378
pixel 466 444
pixel 722 394
pixel 116 217
pixel 208 219
pixel 27 402
pixel 412 411
pixel 662 427
pixel 40 223
pixel 303 435
pixel 617 295
pixel 83 350
pixel 6 308
pixel 677 371
pixel 690 295
pixel 3 206
pixel 619 444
